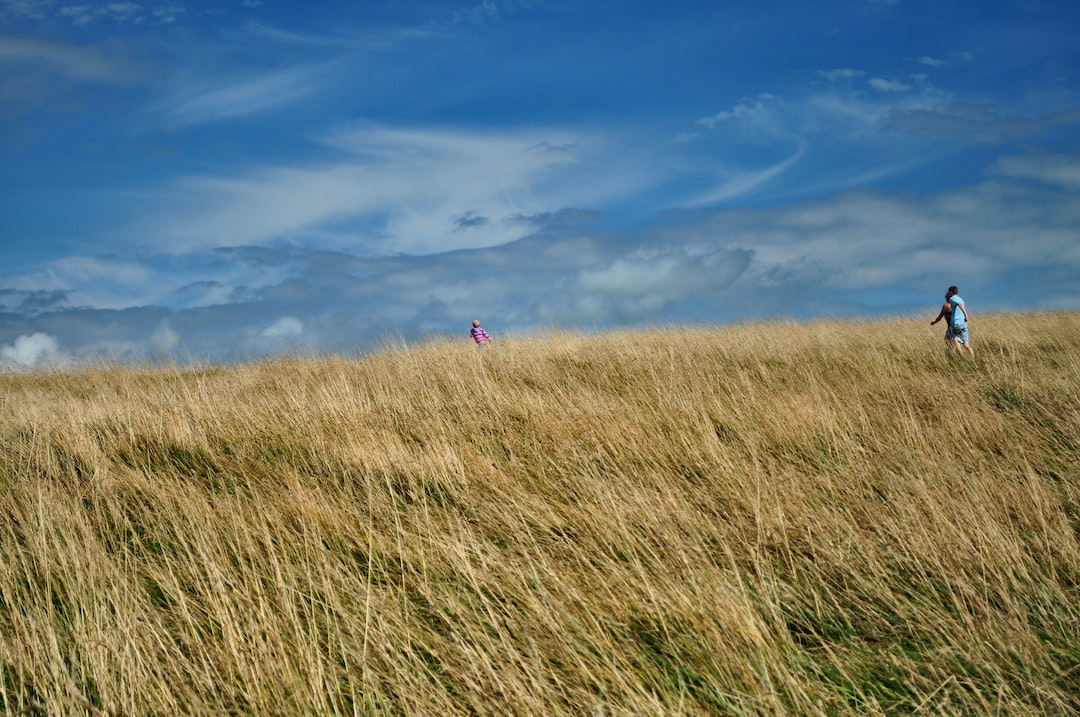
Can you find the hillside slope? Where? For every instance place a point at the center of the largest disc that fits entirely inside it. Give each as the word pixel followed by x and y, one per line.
pixel 827 518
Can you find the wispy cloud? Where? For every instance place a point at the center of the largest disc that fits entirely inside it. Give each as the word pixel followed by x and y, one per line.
pixel 243 96
pixel 348 39
pixel 827 110
pixel 85 64
pixel 291 37
pixel 883 85
pixel 843 73
pixel 1055 169
pixel 98 282
pixel 36 10
pixel 761 139
pixel 484 10
pixel 487 10
pixel 80 282
pixel 128 13
pixel 393 190
pixel 976 123
pixel 747 181
pixel 755 109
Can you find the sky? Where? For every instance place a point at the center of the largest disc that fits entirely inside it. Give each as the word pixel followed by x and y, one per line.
pixel 226 181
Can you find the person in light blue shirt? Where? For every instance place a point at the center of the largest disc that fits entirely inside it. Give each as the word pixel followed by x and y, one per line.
pixel 959 322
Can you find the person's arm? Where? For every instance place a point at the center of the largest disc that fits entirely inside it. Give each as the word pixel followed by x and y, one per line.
pixel 941 314
pixel 965 312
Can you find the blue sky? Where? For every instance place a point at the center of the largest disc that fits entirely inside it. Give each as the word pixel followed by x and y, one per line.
pixel 222 181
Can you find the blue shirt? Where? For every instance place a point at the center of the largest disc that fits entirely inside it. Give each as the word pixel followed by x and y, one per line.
pixel 958 319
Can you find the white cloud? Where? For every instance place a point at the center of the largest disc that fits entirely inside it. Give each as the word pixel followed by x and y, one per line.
pixel 99 282
pixel 861 241
pixel 169 14
pixel 822 114
pixel 931 61
pixel 1054 169
pixel 484 10
pixel 225 100
pixel 115 283
pixel 164 339
pixel 488 10
pixel 32 350
pixel 286 327
pixel 756 108
pixel 398 190
pixel 85 64
pixel 117 12
pixel 747 181
pixel 843 73
pixel 858 116
pixel 882 85
pixel 36 10
pixel 651 280
pixel 261 32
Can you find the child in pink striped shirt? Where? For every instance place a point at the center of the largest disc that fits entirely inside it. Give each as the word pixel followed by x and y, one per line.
pixel 480 336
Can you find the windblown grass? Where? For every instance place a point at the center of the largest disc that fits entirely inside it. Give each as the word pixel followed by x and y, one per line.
pixel 833 518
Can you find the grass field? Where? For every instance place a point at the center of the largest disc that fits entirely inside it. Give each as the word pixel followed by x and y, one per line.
pixel 831 518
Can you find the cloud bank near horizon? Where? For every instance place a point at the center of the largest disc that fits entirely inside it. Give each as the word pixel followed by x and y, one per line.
pixel 858 254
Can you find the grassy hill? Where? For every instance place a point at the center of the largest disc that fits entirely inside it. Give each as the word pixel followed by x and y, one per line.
pixel 831 518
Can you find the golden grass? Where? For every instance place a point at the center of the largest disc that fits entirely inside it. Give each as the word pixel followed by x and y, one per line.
pixel 828 518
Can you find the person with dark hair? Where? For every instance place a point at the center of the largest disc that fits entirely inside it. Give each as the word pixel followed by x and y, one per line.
pixel 956 320
pixel 945 313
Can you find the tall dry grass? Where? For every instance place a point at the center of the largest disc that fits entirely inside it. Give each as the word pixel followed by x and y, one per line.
pixel 831 518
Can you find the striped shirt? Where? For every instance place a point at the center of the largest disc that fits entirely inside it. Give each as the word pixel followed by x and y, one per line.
pixel 479 335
